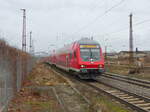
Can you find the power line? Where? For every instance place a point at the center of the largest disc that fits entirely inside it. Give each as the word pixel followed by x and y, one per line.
pixel 126 28
pixel 145 21
pixel 99 16
pixel 96 6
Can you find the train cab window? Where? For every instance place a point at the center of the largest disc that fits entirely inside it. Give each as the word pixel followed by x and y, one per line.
pixel 88 54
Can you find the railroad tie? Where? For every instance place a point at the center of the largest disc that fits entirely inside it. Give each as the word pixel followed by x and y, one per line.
pixel 144 104
pixel 146 108
pixel 119 94
pixel 137 102
pixel 112 91
pixel 123 95
pixel 133 99
pixel 127 97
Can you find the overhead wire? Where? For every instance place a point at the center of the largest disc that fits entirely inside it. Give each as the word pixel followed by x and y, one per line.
pixel 123 29
pixel 96 6
pixel 126 28
pixel 99 16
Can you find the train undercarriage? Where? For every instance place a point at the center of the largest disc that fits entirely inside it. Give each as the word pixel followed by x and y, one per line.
pixel 89 73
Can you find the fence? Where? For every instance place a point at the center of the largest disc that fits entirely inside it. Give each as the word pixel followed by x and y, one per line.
pixel 14 66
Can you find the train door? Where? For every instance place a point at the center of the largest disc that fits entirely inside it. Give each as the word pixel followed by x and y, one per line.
pixel 67 61
pixel 74 59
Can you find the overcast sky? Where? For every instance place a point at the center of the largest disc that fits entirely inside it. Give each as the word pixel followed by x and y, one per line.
pixel 60 22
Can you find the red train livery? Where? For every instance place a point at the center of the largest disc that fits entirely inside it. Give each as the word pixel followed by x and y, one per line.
pixel 83 57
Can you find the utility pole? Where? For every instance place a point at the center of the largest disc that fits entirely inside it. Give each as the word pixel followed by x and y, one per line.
pixel 30 47
pixel 24 31
pixel 131 60
pixel 24 59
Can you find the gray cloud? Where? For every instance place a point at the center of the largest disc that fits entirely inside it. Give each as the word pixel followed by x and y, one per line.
pixel 51 18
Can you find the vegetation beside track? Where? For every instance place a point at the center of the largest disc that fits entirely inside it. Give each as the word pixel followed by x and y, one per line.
pixel 41 75
pixel 36 94
pixel 112 106
pixel 44 91
pixel 123 70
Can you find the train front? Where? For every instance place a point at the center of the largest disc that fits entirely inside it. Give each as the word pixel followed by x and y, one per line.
pixel 91 61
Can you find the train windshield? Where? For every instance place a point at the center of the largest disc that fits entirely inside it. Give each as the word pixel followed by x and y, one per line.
pixel 90 54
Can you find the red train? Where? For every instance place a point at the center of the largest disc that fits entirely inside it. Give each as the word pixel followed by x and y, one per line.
pixel 83 57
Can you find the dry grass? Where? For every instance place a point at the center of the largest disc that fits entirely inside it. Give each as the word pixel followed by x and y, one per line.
pixel 32 100
pixel 41 75
pixel 105 104
pixel 33 97
pixel 124 70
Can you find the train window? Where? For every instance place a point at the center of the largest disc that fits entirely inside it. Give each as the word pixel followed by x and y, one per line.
pixel 75 55
pixel 70 55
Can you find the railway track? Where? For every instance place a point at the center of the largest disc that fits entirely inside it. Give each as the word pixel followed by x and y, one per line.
pixel 134 101
pixel 131 85
pixel 131 91
pixel 60 99
pixel 135 81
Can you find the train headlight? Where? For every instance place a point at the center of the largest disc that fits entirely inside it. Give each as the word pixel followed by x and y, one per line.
pixel 100 66
pixel 82 66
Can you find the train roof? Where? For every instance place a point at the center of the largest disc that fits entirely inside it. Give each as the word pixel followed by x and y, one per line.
pixel 87 41
pixel 68 48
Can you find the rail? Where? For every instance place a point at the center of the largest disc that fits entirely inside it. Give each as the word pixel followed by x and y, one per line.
pixel 129 78
pixel 135 81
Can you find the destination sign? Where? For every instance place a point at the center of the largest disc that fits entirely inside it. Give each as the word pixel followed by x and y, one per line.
pixel 89 46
